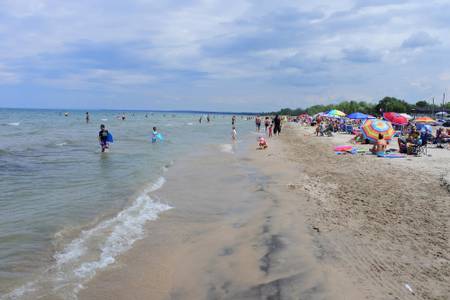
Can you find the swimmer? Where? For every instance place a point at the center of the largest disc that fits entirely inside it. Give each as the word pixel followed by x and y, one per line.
pixel 103 138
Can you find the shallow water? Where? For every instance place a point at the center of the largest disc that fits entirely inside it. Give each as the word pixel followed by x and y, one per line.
pixel 67 210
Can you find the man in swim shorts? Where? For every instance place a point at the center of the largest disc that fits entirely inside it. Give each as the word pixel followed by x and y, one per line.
pixel 103 138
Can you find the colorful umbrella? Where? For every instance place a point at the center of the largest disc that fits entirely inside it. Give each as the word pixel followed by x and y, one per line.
pixel 395 118
pixel 424 120
pixel 406 116
pixel 358 115
pixel 336 113
pixel 424 127
pixel 371 128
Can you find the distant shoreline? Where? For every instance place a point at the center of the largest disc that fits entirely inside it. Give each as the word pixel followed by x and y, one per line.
pixel 136 110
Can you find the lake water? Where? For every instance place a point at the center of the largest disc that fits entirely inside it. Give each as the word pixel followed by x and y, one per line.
pixel 68 210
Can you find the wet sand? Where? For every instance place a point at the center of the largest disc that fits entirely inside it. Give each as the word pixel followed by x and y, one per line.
pixel 294 221
pixel 236 232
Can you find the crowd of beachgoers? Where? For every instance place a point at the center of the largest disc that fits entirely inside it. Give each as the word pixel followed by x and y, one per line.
pixel 391 134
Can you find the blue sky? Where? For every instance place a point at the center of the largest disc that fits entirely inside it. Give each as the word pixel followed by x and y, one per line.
pixel 220 55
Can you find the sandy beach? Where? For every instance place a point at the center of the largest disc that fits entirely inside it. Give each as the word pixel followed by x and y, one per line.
pixel 295 221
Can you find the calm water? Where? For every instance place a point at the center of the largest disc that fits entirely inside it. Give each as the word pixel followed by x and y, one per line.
pixel 67 210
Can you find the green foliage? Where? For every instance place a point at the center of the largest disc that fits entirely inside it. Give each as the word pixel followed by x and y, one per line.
pixel 387 104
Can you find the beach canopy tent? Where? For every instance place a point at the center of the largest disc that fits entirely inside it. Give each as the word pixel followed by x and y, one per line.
pixel 424 127
pixel 442 114
pixel 395 118
pixel 426 120
pixel 371 128
pixel 406 116
pixel 334 113
pixel 360 116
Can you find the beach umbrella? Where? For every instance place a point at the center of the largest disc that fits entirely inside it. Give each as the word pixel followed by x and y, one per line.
pixel 424 120
pixel 358 115
pixel 406 116
pixel 424 127
pixel 371 128
pixel 336 113
pixel 395 118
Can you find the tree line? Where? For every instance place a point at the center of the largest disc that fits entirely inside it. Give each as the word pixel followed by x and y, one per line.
pixel 386 104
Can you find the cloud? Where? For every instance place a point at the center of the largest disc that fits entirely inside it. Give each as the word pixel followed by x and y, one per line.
pixel 206 51
pixel 419 40
pixel 361 55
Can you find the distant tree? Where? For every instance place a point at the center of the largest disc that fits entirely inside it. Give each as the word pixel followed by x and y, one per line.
pixel 388 104
pixel 422 104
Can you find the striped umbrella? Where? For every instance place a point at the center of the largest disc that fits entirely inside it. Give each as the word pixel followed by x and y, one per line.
pixel 336 113
pixel 371 128
pixel 424 120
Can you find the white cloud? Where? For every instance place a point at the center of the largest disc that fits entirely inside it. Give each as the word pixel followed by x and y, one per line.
pixel 277 46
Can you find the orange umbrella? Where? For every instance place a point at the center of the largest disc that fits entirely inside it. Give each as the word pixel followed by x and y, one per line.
pixel 424 120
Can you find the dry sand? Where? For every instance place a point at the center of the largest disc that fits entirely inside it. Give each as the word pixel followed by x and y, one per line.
pixel 294 221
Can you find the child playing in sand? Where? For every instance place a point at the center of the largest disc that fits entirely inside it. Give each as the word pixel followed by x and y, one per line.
pixel 270 130
pixel 262 143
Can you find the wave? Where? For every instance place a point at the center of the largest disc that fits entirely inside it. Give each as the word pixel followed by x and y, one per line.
pixel 13 124
pixel 95 248
pixel 226 148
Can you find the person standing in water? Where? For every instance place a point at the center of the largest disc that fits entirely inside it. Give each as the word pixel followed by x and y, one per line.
pixel 208 119
pixel 155 135
pixel 200 120
pixel 103 138
pixel 258 123
pixel 233 120
pixel 87 117
pixel 234 134
pixel 266 124
pixel 276 125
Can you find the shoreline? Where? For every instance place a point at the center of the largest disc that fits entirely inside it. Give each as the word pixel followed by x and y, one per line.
pixel 267 224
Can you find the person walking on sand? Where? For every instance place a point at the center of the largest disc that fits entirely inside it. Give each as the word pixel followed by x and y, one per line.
pixel 270 130
pixel 277 125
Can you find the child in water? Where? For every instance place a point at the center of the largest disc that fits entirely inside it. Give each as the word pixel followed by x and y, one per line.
pixel 103 138
pixel 234 134
pixel 154 135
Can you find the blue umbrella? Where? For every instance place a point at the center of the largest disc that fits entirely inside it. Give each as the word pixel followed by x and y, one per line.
pixel 358 115
pixel 424 127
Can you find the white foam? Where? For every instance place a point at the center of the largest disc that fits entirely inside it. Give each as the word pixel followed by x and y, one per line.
pixel 98 247
pixel 104 119
pixel 61 144
pixel 190 124
pixel 14 124
pixel 226 148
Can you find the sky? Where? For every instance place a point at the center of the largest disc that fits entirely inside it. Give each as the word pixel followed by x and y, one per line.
pixel 220 55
